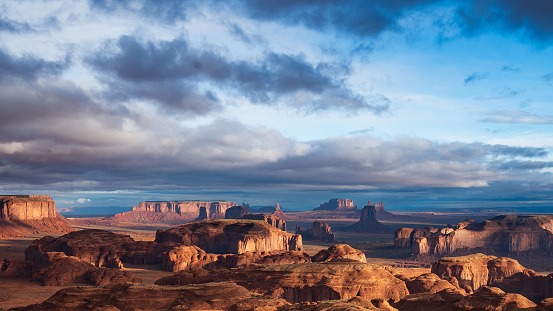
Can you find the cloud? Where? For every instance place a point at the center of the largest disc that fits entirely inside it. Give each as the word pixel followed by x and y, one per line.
pixel 510 68
pixel 517 117
pixel 170 72
pixel 28 67
pixel 83 200
pixel 476 77
pixel 507 93
pixel 167 11
pixel 548 77
pixel 12 26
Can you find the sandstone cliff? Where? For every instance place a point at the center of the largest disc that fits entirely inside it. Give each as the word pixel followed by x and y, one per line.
pixel 502 235
pixel 337 205
pixel 231 236
pixel 189 209
pixel 22 215
pixel 271 219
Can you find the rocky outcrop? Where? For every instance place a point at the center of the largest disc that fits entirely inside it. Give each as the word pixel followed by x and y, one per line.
pixel 474 271
pixel 306 282
pixel 236 212
pixel 186 257
pixel 368 222
pixel 337 205
pixel 22 215
pixel 231 236
pixel 428 283
pixel 320 231
pixel 98 247
pixel 505 235
pixel 127 297
pixel 268 218
pixel 15 268
pixel 112 276
pixel 339 252
pixel 64 270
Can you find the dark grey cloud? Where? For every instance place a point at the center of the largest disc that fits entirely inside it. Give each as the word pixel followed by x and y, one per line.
pixel 475 77
pixel 534 17
pixel 12 26
pixel 169 72
pixel 29 67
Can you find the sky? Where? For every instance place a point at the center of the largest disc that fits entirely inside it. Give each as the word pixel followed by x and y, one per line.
pixel 417 103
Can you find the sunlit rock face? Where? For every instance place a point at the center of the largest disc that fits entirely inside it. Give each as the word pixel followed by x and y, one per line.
pixel 320 231
pixel 21 215
pixel 502 235
pixel 231 236
pixel 337 205
pixel 193 209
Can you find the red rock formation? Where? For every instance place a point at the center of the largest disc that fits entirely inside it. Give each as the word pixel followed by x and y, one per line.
pixel 337 205
pixel 127 297
pixel 501 235
pixel 186 257
pixel 15 268
pixel 427 283
pixel 63 271
pixel 475 271
pixel 269 218
pixel 339 252
pixel 236 212
pixel 320 231
pixel 98 247
pixel 22 215
pixel 368 222
pixel 529 284
pixel 306 282
pixel 231 236
pixel 112 276
pixel 190 209
pixel 492 298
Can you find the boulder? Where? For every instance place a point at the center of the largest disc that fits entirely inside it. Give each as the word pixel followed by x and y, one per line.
pixel 231 236
pixel 339 252
pixel 305 282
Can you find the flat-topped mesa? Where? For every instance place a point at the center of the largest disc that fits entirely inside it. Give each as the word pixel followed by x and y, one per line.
pixel 337 205
pixel 236 236
pixel 502 235
pixel 194 209
pixel 24 207
pixel 271 219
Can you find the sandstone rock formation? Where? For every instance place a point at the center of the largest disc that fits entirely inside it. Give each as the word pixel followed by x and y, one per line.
pixel 306 282
pixel 22 215
pixel 474 271
pixel 112 276
pixel 127 297
pixel 231 236
pixel 174 212
pixel 339 252
pixel 63 271
pixel 15 268
pixel 504 235
pixel 236 212
pixel 320 231
pixel 98 247
pixel 368 222
pixel 428 283
pixel 186 257
pixel 337 205
pixel 271 219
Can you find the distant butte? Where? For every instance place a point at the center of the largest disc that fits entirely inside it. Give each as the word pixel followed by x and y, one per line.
pixel 368 222
pixel 22 215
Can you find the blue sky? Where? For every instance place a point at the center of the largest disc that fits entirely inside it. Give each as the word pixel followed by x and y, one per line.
pixel 417 103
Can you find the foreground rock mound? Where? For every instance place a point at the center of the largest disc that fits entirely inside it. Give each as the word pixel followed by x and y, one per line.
pixel 22 215
pixel 231 236
pixel 339 252
pixel 305 282
pixel 505 235
pixel 474 271
pixel 368 222
pixel 213 296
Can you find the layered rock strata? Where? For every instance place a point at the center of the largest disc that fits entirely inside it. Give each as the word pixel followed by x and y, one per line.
pixel 337 205
pixel 231 236
pixel 271 219
pixel 320 231
pixel 306 282
pixel 22 215
pixel 504 235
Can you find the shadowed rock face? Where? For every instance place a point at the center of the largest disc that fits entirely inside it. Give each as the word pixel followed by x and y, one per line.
pixel 22 215
pixel 320 231
pixel 500 235
pixel 368 222
pixel 306 282
pixel 236 212
pixel 268 218
pixel 231 236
